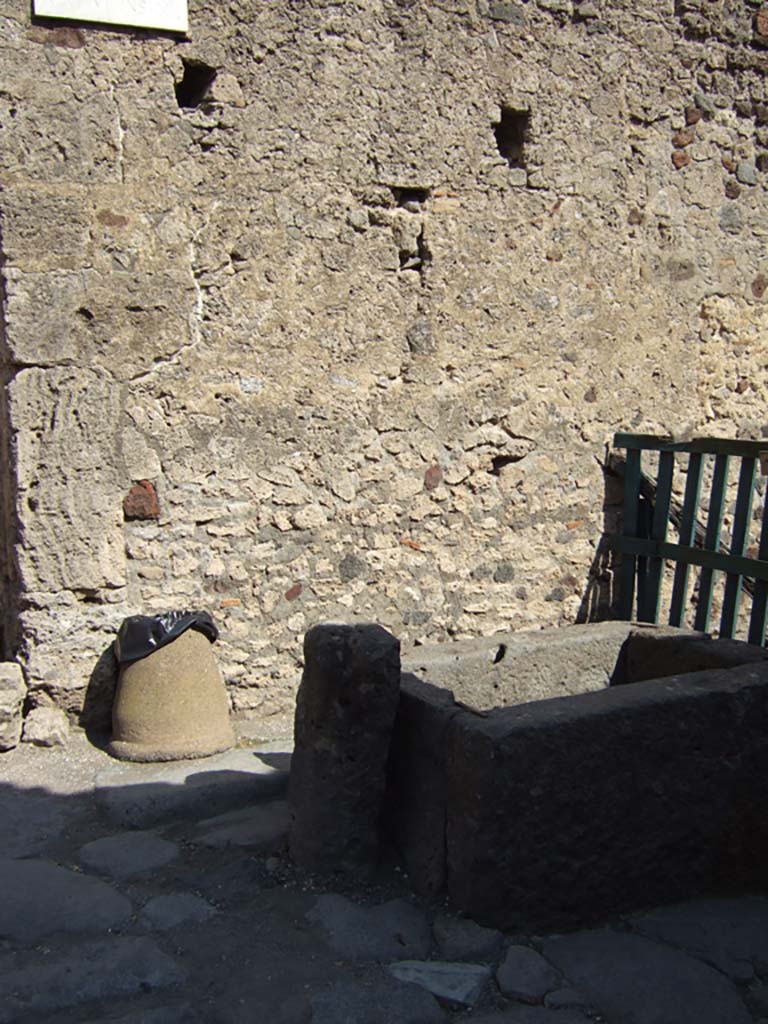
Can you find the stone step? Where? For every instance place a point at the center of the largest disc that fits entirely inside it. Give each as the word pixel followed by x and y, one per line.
pixel 137 795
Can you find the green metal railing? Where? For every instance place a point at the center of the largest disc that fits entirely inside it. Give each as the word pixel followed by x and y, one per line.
pixel 648 510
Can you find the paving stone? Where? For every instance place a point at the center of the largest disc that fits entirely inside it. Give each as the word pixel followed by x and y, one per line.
pixel 137 795
pixel 29 821
pixel 174 909
pixel 565 999
pixel 261 827
pixel 758 995
pixel 376 1001
pixel 459 983
pixel 459 938
pixel 632 980
pixel 92 970
pixel 382 933
pixel 531 1015
pixel 183 1014
pixel 730 934
pixel 526 976
pixel 128 853
pixel 38 898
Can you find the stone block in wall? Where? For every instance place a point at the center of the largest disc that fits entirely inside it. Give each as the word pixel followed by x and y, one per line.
pixel 68 496
pixel 46 229
pixel 46 727
pixel 345 710
pixel 12 692
pixel 53 138
pixel 92 318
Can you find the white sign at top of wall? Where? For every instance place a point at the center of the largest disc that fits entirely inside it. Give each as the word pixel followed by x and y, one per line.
pixel 170 15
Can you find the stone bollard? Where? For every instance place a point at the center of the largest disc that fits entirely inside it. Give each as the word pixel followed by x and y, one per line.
pixel 345 710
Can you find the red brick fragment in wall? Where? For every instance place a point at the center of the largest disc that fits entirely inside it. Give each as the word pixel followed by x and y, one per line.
pixel 433 477
pixel 692 115
pixel 761 25
pixel 65 36
pixel 683 138
pixel 759 285
pixel 293 592
pixel 111 219
pixel 141 501
pixel 680 159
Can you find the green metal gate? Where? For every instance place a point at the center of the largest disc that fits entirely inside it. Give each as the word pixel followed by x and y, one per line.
pixel 648 510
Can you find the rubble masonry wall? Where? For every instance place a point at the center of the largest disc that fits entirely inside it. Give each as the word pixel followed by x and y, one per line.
pixel 365 313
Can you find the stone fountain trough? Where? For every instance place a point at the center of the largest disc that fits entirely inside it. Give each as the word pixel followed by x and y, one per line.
pixel 554 778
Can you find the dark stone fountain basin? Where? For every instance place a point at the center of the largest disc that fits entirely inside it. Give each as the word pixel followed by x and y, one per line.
pixel 531 783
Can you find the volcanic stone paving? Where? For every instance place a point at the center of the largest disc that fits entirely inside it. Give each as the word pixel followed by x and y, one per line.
pixel 142 894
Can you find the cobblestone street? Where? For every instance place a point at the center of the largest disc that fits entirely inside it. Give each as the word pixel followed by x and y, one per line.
pixel 154 894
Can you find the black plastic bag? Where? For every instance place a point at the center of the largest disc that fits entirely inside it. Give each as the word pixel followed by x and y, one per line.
pixel 140 635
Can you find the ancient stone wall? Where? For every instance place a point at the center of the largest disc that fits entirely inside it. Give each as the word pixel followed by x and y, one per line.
pixel 361 291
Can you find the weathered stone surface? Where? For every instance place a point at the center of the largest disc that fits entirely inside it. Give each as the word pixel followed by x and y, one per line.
pixel 510 668
pixel 458 938
pixel 30 820
pixel 376 1001
pixel 651 654
pixel 730 934
pixel 12 691
pixel 532 1015
pixel 37 899
pixel 565 999
pixel 345 711
pixel 414 807
pixel 382 933
pixel 128 853
pixel 46 727
pixel 458 983
pixel 746 172
pixel 252 353
pixel 136 796
pixel 262 827
pixel 526 976
pixel 102 969
pixel 177 1014
pixel 173 909
pixel 613 969
pixel 613 785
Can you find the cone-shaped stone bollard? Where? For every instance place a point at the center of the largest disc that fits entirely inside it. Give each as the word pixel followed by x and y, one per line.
pixel 345 711
pixel 171 704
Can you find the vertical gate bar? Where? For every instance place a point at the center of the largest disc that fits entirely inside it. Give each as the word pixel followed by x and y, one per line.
pixel 712 541
pixel 644 520
pixel 757 621
pixel 687 537
pixel 742 515
pixel 658 531
pixel 631 501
